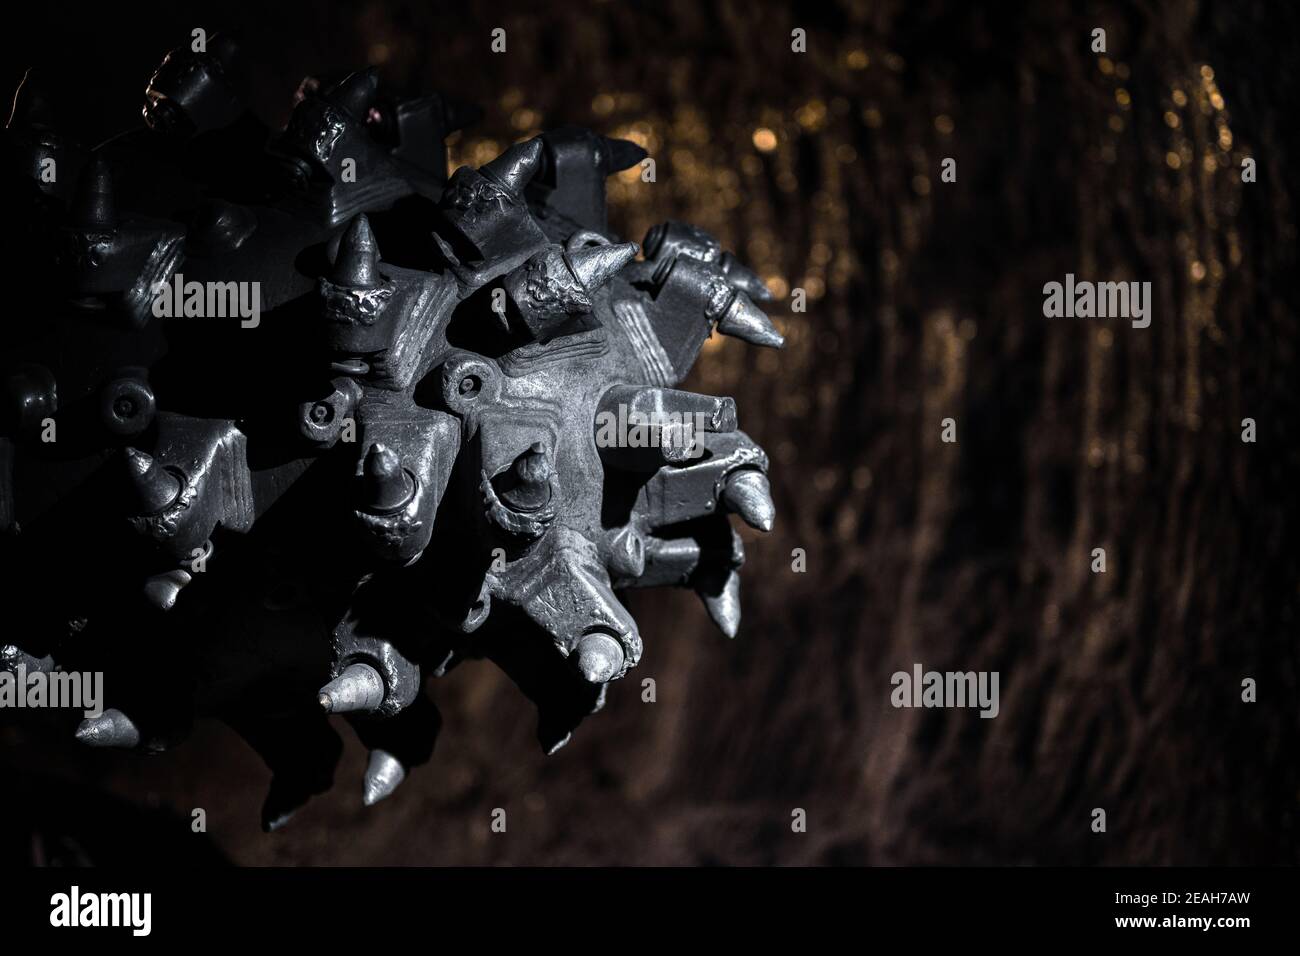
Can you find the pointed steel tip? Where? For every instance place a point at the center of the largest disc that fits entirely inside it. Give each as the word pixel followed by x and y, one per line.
pixel 356 264
pixel 744 320
pixel 596 265
pixel 754 287
pixel 745 279
pixel 156 488
pixel 359 689
pixel 621 154
pixel 387 486
pixel 360 226
pixel 559 744
pixel 517 165
pixel 748 494
pixel 382 461
pixel 724 607
pixel 163 590
pixel 356 91
pixel 137 462
pixel 599 657
pixel 756 290
pixel 534 465
pixel 384 775
pixel 112 728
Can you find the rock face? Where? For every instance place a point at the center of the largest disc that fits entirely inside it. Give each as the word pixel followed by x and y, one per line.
pixel 1119 690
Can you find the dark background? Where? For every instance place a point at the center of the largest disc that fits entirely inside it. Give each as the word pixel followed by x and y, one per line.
pixel 1119 691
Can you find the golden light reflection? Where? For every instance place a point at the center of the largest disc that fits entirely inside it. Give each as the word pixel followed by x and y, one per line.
pixel 764 140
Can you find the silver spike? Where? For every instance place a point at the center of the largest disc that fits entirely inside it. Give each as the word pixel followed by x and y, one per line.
pixel 356 265
pixel 514 168
pixel 745 279
pixel 156 488
pixel 162 590
pixel 749 495
pixel 112 728
pixel 620 154
pixel 599 657
pixel 596 265
pixel 384 774
pixel 724 607
pixel 387 488
pixel 358 689
pixel 744 320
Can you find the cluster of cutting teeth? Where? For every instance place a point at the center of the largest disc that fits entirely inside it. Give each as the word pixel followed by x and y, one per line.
pixel 485 512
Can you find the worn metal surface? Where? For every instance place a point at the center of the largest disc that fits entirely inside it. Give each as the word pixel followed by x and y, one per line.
pixel 449 431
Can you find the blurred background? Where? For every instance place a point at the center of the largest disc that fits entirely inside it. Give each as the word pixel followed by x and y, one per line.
pixel 924 301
